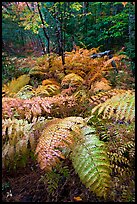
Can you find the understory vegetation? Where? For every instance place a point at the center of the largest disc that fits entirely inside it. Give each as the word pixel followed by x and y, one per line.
pixel 68 129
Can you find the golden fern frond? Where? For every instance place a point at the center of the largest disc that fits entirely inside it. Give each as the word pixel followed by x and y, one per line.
pixel 37 70
pixel 120 107
pixel 16 84
pixel 72 80
pixel 80 95
pixel 55 141
pixel 42 61
pixel 47 90
pixel 90 160
pixel 19 137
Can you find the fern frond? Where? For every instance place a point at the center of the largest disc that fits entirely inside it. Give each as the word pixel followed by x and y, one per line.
pixel 120 107
pixel 72 80
pixel 38 71
pixel 101 85
pixel 55 141
pixel 90 160
pixel 47 90
pixel 25 92
pixel 16 84
pixel 32 108
pixel 50 81
pixel 104 95
pixel 80 95
pixel 15 138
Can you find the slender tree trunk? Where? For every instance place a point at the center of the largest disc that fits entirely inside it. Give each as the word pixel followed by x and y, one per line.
pixel 44 28
pixel 42 44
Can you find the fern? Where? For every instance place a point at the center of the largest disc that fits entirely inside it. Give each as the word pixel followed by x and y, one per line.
pixel 37 71
pixel 50 81
pixel 54 140
pixel 72 80
pixel 103 96
pixel 25 92
pixel 120 107
pixel 100 85
pixel 16 84
pixel 19 138
pixel 30 109
pixel 89 158
pixel 47 90
pixel 15 138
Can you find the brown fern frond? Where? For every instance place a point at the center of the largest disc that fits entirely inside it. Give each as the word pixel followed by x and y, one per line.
pixel 120 107
pixel 56 141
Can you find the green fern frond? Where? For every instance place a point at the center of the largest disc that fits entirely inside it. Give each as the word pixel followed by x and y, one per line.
pixel 90 160
pixel 120 107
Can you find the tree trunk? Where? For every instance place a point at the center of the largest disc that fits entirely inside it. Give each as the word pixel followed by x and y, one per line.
pixel 44 28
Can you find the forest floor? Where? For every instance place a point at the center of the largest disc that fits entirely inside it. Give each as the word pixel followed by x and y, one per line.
pixel 27 184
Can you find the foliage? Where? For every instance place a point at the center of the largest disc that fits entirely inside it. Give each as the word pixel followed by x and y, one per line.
pixel 59 118
pixel 61 136
pixel 71 80
pixel 31 109
pixel 121 107
pixel 15 140
pixel 8 67
pixel 89 158
pixel 16 84
pixel 47 90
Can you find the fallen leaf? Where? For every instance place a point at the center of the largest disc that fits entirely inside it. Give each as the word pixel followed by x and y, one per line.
pixel 78 198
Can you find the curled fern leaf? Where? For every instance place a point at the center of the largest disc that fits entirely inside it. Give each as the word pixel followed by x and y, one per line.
pixel 90 160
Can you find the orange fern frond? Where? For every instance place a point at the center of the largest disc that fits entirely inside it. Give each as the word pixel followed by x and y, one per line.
pixel 55 141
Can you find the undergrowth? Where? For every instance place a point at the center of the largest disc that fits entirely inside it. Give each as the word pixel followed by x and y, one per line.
pixel 86 117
